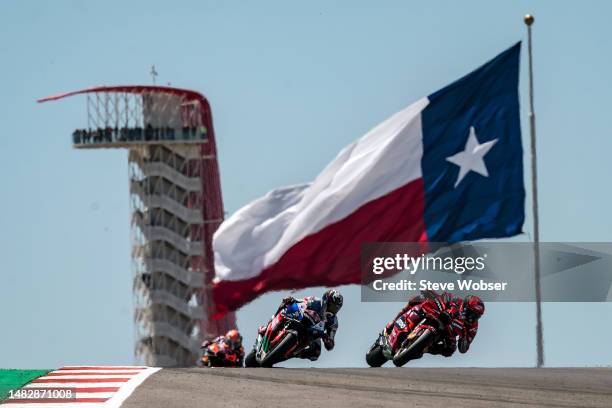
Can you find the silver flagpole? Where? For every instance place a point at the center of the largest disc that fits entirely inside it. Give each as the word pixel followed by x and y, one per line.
pixel 534 194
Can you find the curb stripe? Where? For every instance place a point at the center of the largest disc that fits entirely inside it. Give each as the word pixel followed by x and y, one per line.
pixel 55 401
pixel 88 376
pixel 101 368
pixel 128 389
pixel 82 374
pixel 79 380
pixel 105 387
pixel 76 385
pixel 78 389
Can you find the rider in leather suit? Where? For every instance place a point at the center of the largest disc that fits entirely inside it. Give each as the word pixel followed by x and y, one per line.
pixel 468 310
pixel 323 314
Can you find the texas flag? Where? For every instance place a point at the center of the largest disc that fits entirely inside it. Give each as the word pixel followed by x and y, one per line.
pixel 447 168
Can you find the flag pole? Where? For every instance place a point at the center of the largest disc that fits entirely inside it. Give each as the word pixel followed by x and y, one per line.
pixel 529 19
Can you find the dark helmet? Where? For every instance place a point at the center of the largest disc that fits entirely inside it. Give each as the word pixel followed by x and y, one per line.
pixel 332 299
pixel 473 307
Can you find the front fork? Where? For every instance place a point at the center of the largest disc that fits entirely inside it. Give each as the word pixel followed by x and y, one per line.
pixel 257 346
pixel 383 342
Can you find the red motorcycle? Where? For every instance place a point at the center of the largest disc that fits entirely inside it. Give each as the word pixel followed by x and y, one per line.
pixel 414 333
pixel 289 332
pixel 219 354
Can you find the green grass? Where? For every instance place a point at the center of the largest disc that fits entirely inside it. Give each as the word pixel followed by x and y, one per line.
pixel 14 379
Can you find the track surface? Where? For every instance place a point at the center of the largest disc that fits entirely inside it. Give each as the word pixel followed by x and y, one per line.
pixel 382 387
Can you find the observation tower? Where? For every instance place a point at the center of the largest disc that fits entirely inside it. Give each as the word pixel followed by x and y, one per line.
pixel 176 204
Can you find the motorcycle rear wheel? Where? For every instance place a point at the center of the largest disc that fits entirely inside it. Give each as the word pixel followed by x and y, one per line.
pixel 278 353
pixel 415 349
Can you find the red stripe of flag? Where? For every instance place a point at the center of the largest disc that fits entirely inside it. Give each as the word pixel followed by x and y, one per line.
pixel 339 264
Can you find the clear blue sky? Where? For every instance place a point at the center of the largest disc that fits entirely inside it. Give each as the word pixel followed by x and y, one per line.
pixel 290 84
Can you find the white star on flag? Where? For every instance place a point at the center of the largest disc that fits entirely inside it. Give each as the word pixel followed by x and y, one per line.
pixel 472 157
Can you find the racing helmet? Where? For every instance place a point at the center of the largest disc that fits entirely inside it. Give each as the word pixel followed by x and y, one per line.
pixel 333 301
pixel 473 307
pixel 234 337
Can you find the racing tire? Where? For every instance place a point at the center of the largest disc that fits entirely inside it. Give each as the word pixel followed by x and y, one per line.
pixel 278 353
pixel 415 349
pixel 375 357
pixel 250 360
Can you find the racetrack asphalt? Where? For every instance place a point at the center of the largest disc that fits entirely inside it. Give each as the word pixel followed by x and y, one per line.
pixel 375 387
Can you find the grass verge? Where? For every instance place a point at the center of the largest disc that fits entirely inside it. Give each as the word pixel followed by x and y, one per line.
pixel 15 379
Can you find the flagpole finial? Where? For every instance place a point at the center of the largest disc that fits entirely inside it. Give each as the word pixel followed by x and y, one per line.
pixel 528 19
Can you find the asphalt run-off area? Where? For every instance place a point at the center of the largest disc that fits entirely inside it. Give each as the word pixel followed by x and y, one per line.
pixel 376 387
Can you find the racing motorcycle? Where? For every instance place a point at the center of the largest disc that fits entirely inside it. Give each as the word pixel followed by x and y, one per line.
pixel 289 332
pixel 414 333
pixel 217 354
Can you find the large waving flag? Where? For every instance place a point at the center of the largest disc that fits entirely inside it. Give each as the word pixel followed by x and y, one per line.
pixel 447 168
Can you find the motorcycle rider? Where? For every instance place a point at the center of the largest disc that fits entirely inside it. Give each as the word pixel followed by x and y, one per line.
pixel 322 312
pixel 468 310
pixel 231 343
pixel 471 308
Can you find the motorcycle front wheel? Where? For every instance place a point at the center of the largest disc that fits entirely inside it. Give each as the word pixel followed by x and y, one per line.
pixel 277 354
pixel 414 349
pixel 250 360
pixel 375 357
